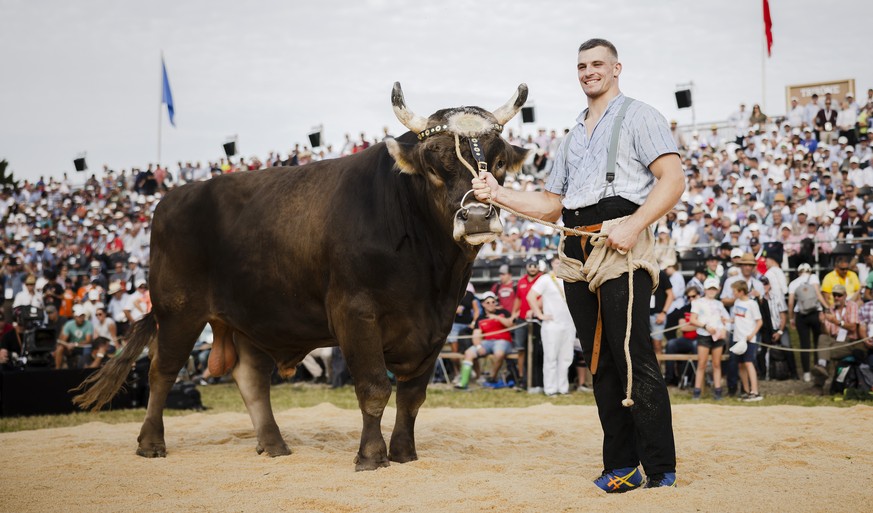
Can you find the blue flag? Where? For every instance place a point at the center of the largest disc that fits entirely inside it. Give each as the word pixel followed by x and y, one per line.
pixel 167 96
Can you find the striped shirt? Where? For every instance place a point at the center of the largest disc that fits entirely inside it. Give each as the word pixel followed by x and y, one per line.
pixel 644 137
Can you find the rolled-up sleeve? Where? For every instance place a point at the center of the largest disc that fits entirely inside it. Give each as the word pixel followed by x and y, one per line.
pixel 556 182
pixel 652 138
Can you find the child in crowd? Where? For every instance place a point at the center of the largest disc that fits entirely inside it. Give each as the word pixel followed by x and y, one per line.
pixel 747 321
pixel 711 319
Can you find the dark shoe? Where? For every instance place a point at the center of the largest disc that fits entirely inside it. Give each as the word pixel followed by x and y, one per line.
pixel 819 374
pixel 619 480
pixel 667 479
pixel 717 394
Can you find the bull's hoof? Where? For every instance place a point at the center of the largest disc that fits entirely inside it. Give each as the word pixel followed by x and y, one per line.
pixel 362 463
pixel 402 457
pixel 152 451
pixel 274 450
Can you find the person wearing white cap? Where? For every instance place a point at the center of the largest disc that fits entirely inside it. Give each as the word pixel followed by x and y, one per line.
pixel 684 232
pixel 558 331
pixel 76 335
pixel 132 274
pixel 711 318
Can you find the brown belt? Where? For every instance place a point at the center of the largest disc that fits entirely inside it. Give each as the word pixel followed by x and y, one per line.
pixel 598 328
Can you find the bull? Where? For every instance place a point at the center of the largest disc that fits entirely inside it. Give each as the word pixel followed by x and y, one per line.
pixel 371 252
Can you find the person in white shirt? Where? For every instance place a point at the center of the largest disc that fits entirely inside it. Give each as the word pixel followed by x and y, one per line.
pixel 28 296
pixel 797 114
pixel 711 319
pixel 558 331
pixel 775 275
pixel 684 233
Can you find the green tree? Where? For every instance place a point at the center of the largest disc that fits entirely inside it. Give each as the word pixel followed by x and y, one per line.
pixel 7 179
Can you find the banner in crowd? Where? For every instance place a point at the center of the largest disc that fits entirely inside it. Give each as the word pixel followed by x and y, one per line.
pixel 804 92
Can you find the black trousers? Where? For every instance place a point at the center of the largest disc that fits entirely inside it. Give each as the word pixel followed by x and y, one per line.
pixel 807 323
pixel 642 433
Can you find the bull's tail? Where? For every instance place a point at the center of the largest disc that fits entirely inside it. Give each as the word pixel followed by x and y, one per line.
pixel 105 383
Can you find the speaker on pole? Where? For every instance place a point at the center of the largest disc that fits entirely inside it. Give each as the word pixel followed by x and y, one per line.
pixel 315 139
pixel 79 163
pixel 527 115
pixel 683 98
pixel 230 148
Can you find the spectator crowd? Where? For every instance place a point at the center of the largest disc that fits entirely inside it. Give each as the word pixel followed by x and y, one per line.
pixel 768 201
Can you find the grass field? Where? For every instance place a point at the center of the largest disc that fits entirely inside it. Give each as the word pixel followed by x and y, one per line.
pixel 225 398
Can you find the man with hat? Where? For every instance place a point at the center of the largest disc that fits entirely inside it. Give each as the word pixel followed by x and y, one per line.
pixel 839 326
pixel 490 336
pixel 773 252
pixel 75 336
pixel 29 296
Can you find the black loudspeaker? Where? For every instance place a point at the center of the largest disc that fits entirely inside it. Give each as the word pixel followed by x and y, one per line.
pixel 80 164
pixel 315 139
pixel 230 148
pixel 683 98
pixel 527 115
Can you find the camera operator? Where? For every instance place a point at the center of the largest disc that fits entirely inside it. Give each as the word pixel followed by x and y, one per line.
pixel 76 334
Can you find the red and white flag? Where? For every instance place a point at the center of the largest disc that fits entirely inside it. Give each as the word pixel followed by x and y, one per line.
pixel 768 26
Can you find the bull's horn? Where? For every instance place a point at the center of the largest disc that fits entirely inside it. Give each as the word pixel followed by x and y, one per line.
pixel 508 110
pixel 409 119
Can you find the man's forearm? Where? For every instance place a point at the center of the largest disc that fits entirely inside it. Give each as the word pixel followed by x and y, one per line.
pixel 664 196
pixel 538 204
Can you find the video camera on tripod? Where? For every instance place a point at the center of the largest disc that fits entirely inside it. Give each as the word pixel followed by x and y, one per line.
pixel 37 341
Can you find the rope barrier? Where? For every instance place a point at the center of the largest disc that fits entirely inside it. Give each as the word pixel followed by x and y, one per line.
pixel 504 330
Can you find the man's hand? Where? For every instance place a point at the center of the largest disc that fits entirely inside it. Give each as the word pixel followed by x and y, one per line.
pixel 623 237
pixel 485 187
pixel 4 356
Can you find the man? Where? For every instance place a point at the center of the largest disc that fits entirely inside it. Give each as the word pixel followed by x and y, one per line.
pixel 648 181
pixel 489 337
pixel 29 296
pixel 826 123
pixel 520 315
pixel 505 289
pixel 75 334
pixel 558 332
pixel 841 275
pixel 839 326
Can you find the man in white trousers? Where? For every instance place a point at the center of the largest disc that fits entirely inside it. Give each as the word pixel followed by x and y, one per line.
pixel 558 331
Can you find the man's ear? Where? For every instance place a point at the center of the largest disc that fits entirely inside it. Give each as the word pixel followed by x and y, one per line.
pixel 402 153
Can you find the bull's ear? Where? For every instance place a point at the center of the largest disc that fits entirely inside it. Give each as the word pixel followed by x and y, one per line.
pixel 402 153
pixel 515 159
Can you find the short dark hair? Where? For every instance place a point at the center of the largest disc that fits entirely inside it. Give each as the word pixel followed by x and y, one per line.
pixel 594 43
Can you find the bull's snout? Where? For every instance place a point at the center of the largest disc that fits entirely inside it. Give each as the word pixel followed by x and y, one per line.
pixel 477 224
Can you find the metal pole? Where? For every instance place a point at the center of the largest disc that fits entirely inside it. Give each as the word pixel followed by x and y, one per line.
pixel 529 354
pixel 693 112
pixel 160 108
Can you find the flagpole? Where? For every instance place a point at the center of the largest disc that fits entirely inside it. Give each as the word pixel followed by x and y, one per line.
pixel 160 108
pixel 764 69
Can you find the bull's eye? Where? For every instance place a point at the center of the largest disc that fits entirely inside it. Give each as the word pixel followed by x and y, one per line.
pixel 500 164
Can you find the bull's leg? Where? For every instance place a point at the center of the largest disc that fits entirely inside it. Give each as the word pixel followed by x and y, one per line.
pixel 252 375
pixel 410 397
pixel 175 341
pixel 365 361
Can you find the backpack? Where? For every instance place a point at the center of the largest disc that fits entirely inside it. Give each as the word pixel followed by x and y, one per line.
pixel 807 299
pixel 779 365
pixel 184 396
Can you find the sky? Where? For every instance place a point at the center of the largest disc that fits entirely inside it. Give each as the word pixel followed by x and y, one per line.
pixel 85 76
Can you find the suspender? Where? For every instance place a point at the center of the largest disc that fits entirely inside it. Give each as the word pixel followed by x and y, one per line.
pixel 613 144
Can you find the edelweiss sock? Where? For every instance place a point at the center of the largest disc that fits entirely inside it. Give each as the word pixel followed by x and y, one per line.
pixel 466 370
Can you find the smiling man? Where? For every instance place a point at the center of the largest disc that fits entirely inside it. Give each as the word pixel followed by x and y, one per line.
pixel 619 161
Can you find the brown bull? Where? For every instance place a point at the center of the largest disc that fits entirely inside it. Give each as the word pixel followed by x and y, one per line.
pixel 363 252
